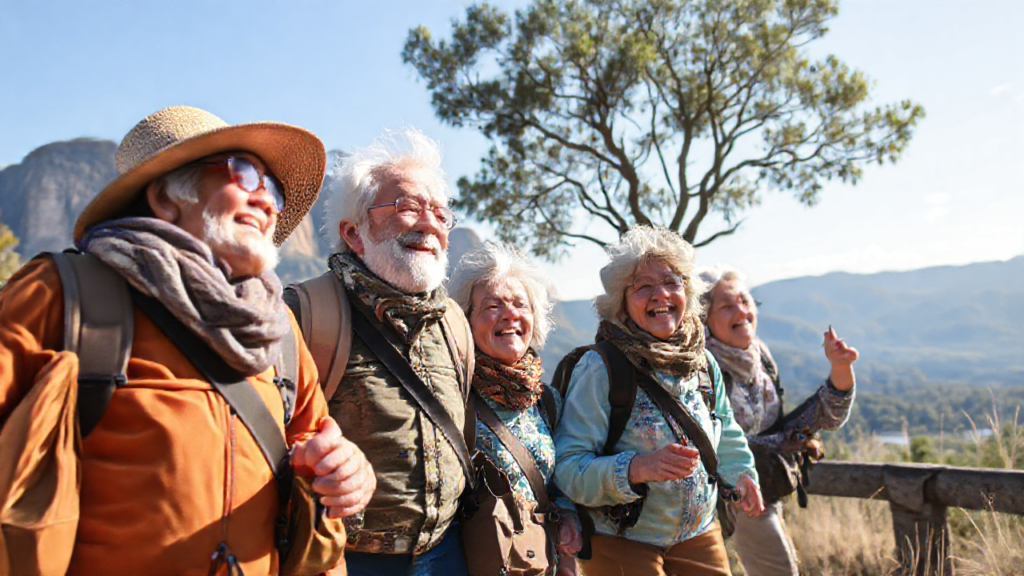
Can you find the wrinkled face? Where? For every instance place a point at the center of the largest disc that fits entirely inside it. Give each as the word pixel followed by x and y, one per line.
pixel 656 301
pixel 502 320
pixel 237 225
pixel 409 251
pixel 732 317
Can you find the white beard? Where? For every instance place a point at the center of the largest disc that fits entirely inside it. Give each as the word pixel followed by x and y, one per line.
pixel 410 271
pixel 221 235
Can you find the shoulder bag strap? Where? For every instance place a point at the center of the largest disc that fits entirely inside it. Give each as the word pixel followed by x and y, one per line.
pixel 236 390
pixel 518 450
pixel 98 327
pixel 670 406
pixel 365 328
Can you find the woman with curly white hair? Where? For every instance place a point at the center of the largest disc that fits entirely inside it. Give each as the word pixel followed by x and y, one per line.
pixel 508 302
pixel 651 493
pixel 776 439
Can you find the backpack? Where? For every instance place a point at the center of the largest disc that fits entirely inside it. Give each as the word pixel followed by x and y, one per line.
pixel 324 313
pixel 623 382
pixel 99 327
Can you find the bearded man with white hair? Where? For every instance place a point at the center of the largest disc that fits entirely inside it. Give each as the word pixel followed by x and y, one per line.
pixel 400 392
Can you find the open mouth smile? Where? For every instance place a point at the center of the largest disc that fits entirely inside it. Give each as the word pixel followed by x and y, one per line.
pixel 661 311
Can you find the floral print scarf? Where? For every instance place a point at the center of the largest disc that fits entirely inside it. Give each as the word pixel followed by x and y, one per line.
pixel 516 387
pixel 407 313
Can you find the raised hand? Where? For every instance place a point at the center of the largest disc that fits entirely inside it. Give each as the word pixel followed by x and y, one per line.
pixel 842 358
pixel 671 462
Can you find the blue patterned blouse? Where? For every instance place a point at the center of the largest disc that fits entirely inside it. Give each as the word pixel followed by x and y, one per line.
pixel 530 427
pixel 675 510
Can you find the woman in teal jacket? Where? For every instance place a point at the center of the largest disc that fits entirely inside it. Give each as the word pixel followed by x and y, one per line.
pixel 651 500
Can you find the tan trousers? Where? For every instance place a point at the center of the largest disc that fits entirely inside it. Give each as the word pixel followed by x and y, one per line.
pixel 702 555
pixel 763 543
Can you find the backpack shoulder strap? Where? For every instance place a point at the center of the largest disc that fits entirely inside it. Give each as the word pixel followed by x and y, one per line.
pixel 98 327
pixel 286 370
pixel 460 344
pixel 325 318
pixel 622 386
pixel 547 398
pixel 459 339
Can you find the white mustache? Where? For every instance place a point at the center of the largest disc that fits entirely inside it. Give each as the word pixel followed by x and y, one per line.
pixel 419 238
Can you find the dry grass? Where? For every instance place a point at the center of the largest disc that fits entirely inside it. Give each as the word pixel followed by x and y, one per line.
pixel 848 537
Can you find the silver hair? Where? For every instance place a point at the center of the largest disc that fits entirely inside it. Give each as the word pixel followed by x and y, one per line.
pixel 638 246
pixel 493 263
pixel 182 184
pixel 357 176
pixel 712 276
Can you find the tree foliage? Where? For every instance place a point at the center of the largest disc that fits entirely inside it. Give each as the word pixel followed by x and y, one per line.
pixel 650 112
pixel 9 260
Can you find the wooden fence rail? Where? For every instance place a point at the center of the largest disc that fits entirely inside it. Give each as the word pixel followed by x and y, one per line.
pixel 918 495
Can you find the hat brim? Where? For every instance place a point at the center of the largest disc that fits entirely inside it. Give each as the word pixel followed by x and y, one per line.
pixel 293 155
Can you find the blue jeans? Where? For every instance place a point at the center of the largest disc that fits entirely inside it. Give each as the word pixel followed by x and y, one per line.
pixel 446 559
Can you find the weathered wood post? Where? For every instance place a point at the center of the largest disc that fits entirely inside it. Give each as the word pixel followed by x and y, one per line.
pixel 922 537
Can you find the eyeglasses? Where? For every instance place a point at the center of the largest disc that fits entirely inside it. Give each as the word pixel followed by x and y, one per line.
pixel 245 174
pixel 644 286
pixel 409 206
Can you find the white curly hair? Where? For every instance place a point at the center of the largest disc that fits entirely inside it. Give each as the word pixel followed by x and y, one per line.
pixel 637 247
pixel 497 262
pixel 357 176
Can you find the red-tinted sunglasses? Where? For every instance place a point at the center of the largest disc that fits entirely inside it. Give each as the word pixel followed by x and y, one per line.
pixel 245 174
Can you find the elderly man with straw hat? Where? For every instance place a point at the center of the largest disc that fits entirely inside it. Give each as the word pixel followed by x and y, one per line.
pixel 176 454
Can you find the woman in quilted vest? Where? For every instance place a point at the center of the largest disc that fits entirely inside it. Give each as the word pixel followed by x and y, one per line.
pixel 508 303
pixel 763 544
pixel 652 495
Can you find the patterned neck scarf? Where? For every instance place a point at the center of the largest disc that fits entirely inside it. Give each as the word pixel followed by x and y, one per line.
pixel 407 313
pixel 755 401
pixel 516 387
pixel 682 355
pixel 243 320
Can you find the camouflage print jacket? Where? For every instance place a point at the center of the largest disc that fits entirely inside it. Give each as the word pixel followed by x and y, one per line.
pixel 419 478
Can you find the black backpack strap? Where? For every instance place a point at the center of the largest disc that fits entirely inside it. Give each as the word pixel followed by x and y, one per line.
pixel 622 385
pixel 549 408
pixel 365 327
pixel 98 327
pixel 244 400
pixel 286 370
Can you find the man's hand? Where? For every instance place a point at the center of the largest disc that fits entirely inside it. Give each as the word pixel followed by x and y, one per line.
pixel 750 497
pixel 672 462
pixel 344 478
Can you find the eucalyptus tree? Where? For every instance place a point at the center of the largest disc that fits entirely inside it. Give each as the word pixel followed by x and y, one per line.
pixel 650 112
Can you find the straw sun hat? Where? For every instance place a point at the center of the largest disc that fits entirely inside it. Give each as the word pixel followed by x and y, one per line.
pixel 175 136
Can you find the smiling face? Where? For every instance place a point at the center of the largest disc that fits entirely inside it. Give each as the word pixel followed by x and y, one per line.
pixel 654 302
pixel 236 224
pixel 732 317
pixel 502 320
pixel 409 251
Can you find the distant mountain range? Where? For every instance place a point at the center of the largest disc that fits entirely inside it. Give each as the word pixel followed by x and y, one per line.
pixel 950 324
pixel 955 324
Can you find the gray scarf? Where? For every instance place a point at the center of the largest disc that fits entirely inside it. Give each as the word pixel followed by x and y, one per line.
pixel 242 320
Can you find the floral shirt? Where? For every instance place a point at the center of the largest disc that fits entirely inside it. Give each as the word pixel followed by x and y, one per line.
pixel 530 427
pixel 673 511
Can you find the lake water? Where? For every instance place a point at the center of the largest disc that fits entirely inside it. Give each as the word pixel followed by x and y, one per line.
pixel 898 439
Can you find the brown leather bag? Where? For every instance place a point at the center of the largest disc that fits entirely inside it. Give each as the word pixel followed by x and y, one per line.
pixel 502 536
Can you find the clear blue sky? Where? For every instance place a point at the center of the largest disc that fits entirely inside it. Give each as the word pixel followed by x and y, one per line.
pixel 94 68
